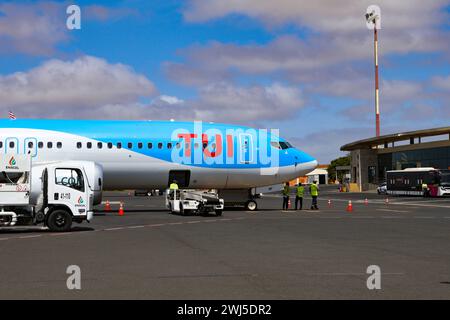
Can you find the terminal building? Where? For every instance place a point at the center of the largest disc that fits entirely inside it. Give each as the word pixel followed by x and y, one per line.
pixel 371 158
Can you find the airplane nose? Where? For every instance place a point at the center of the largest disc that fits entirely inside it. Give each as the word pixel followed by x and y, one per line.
pixel 304 162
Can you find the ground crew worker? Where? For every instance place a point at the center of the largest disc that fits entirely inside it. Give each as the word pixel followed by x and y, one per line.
pixel 173 189
pixel 314 190
pixel 299 196
pixel 286 196
pixel 425 189
pixel 174 185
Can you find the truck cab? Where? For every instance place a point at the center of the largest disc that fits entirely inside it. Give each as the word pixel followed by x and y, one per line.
pixel 55 194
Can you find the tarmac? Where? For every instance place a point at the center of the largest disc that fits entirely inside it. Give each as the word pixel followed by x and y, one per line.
pixel 268 254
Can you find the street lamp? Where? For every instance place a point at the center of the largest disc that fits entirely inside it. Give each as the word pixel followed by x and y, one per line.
pixel 373 21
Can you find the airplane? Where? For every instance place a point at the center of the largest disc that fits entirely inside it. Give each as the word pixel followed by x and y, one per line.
pixel 151 154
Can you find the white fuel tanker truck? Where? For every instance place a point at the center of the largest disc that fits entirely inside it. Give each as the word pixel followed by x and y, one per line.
pixel 55 194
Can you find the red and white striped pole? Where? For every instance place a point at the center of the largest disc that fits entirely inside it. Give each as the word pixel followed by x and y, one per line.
pixel 377 96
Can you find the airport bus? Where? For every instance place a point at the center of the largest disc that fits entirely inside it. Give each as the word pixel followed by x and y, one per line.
pixel 409 182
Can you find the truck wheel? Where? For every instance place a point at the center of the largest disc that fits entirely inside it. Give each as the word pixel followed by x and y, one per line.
pixel 59 221
pixel 219 212
pixel 251 205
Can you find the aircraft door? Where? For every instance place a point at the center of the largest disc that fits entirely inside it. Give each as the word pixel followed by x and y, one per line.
pixel 182 177
pixel 30 146
pixel 246 148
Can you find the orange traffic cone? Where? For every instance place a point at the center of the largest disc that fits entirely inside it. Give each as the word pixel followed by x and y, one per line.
pixel 329 203
pixel 121 212
pixel 107 206
pixel 350 206
pixel 366 202
pixel 289 203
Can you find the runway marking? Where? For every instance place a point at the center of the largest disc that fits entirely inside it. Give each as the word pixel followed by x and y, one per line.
pixel 423 217
pixel 353 274
pixel 28 237
pixel 394 202
pixel 363 217
pixel 121 228
pixel 392 210
pixel 113 229
pixel 58 234
pixel 155 225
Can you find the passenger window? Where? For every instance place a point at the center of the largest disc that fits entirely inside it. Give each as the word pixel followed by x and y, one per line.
pixel 59 145
pixel 99 145
pixel 150 145
pixel 40 144
pixel 30 144
pixel 196 145
pixel 130 145
pixel 1 144
pixel 160 145
pixel 49 144
pixel 89 145
pixel 119 145
pixel 11 144
pixel 78 145
pixel 110 145
pixel 178 145
pixel 72 178
pixel 169 145
pixel 140 145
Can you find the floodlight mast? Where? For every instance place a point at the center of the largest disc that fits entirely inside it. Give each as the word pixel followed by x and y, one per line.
pixel 372 18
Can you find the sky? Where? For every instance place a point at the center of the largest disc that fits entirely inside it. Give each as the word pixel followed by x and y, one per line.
pixel 303 67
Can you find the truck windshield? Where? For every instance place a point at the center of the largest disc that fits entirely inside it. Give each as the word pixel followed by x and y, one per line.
pixel 72 178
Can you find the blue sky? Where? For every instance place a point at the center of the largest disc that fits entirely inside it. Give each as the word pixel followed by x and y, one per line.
pixel 289 65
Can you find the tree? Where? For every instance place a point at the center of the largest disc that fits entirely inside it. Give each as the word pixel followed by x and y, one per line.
pixel 341 161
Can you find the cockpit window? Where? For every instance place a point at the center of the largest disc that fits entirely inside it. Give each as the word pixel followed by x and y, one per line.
pixel 281 145
pixel 275 144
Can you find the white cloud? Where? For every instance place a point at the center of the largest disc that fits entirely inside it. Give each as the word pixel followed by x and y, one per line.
pixel 38 28
pixel 86 82
pixel 254 104
pixel 334 16
pixel 442 83
pixel 32 28
pixel 170 99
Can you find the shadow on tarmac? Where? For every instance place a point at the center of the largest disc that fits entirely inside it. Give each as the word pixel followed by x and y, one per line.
pixel 35 229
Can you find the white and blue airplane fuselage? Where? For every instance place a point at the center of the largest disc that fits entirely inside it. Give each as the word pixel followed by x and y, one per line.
pixel 148 154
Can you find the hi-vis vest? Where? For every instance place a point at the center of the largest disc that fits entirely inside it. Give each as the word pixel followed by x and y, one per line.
pixel 286 191
pixel 314 190
pixel 173 186
pixel 300 191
